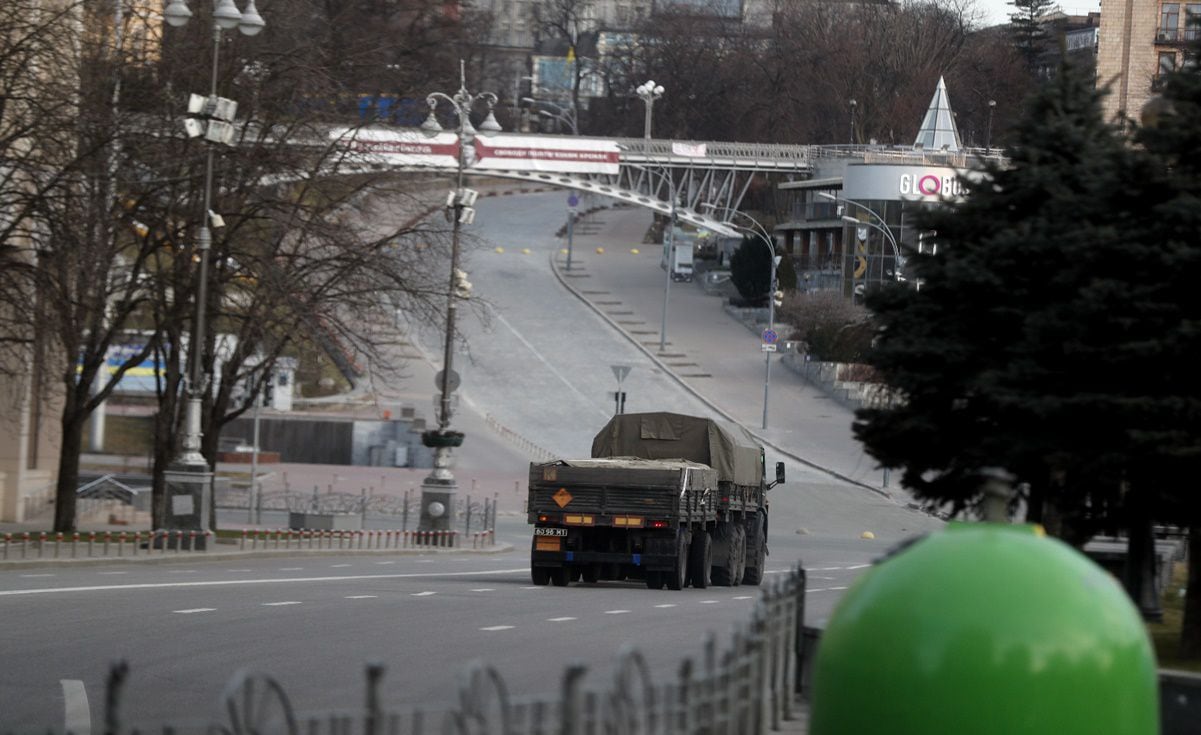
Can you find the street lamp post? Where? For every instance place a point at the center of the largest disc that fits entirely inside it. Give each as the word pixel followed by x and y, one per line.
pixel 879 224
pixel 188 480
pixel 649 92
pixel 560 115
pixel 757 228
pixel 438 490
pixel 992 105
pixel 854 104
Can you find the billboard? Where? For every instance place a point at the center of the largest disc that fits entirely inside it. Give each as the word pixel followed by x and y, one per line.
pixel 400 147
pixel 560 154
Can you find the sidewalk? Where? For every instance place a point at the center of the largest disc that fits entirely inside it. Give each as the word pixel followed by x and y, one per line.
pixel 709 351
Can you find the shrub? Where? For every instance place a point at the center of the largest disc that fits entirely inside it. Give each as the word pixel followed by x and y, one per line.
pixel 831 327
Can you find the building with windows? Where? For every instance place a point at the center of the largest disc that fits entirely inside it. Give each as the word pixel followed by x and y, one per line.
pixel 1139 42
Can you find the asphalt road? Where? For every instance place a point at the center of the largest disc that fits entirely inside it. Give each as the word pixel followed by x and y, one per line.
pixel 538 361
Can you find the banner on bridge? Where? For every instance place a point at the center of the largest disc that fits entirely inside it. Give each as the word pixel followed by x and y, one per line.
pixel 401 147
pixel 558 154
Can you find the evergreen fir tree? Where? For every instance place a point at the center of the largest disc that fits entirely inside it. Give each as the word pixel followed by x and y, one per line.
pixel 1029 34
pixel 1020 347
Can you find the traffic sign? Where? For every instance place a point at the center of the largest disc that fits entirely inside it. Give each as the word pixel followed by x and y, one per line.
pixel 767 347
pixel 770 336
pixel 451 385
pixel 573 201
pixel 620 372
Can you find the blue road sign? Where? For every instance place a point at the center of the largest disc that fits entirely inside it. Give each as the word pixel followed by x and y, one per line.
pixel 770 336
pixel 573 200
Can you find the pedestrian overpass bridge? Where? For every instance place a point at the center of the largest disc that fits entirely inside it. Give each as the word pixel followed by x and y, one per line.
pixel 706 177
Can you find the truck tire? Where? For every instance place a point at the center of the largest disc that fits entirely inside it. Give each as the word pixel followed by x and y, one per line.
pixel 726 541
pixel 756 550
pixel 540 575
pixel 560 576
pixel 700 559
pixel 654 580
pixel 739 569
pixel 678 572
pixel 591 573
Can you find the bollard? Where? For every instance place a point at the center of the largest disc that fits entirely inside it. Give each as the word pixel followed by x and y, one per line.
pixel 58 541
pixel 243 546
pixel 121 544
pixel 8 538
pixel 25 546
pixel 191 540
pixel 42 544
pixel 107 537
pixel 137 541
pixel 404 539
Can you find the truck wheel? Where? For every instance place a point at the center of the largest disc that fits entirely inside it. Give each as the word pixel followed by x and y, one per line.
pixel 723 574
pixel 700 558
pixel 560 576
pixel 679 570
pixel 540 575
pixel 739 570
pixel 591 573
pixel 756 543
pixel 654 580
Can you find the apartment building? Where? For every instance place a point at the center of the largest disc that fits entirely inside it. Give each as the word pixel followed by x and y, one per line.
pixel 1139 42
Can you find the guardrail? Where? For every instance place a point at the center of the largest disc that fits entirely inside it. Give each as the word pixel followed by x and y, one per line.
pixel 85 545
pixel 747 686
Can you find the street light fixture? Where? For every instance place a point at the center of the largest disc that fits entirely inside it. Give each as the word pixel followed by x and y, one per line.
pixel 560 115
pixel 649 92
pixel 188 481
pixel 756 227
pixel 438 490
pixel 854 104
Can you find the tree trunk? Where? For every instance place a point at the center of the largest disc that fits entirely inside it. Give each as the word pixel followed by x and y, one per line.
pixel 1190 629
pixel 68 470
pixel 1140 577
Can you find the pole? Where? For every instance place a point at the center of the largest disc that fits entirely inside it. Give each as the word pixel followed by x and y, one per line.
pixel 255 505
pixel 670 240
pixel 646 127
pixel 771 324
pixel 570 228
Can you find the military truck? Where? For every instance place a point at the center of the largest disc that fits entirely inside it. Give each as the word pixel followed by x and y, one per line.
pixel 671 499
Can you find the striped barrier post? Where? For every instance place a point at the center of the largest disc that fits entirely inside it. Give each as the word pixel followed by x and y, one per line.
pixel 243 546
pixel 42 545
pixel 137 536
pixel 8 539
pixel 58 542
pixel 25 546
pixel 121 544
pixel 108 536
pixel 91 542
pixel 191 540
pixel 404 539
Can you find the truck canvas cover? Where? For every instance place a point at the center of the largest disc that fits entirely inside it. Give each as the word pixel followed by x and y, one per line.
pixel 727 449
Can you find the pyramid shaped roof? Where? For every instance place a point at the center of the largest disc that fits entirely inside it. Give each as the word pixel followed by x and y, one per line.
pixel 938 128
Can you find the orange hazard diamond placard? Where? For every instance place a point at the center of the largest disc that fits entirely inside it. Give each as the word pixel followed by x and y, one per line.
pixel 562 497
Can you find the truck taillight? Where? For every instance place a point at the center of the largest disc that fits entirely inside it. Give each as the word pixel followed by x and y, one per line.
pixel 543 518
pixel 658 524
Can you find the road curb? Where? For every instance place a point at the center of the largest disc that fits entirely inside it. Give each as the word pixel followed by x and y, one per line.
pixel 554 266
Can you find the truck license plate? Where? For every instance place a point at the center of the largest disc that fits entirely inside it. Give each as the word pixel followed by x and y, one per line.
pixel 550 531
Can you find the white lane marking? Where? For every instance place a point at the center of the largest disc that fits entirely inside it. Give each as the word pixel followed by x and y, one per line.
pixel 816 589
pixel 826 569
pixel 194 610
pixel 425 561
pixel 836 588
pixel 336 566
pixel 77 716
pixel 484 589
pixel 708 602
pixel 558 620
pixel 277 604
pixel 381 563
pixel 289 580
pixel 616 612
pixel 500 318
pixel 744 597
pixel 28 576
pixel 859 566
pixel 427 593
pixel 183 571
pixel 360 597
pixel 498 627
pixel 666 604
pixel 531 587
pixel 290 569
pixel 112 573
pixel 231 570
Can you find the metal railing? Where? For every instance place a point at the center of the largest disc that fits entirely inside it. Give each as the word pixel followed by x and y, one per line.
pixel 92 544
pixel 747 685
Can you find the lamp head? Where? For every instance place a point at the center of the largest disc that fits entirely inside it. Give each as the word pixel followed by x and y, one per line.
pixel 226 15
pixel 177 13
pixel 251 22
pixel 490 125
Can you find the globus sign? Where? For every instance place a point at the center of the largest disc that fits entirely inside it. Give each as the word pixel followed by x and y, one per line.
pixel 867 182
pixel 930 185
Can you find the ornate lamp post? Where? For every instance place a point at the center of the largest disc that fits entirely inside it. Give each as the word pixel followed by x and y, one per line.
pixel 438 490
pixel 649 92
pixel 189 481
